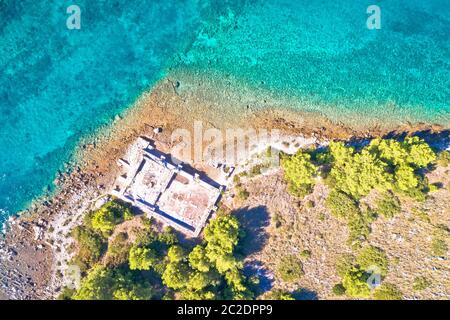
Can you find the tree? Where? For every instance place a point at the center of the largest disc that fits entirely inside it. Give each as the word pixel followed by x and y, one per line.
pixel 340 154
pixel 221 236
pixel 226 262
pixel 112 284
pixel 388 205
pixel 176 254
pixel 97 285
pixel 176 275
pixel 420 154
pixel 404 158
pixel 197 295
pixel 361 173
pixel 109 215
pixel 237 289
pixel 141 258
pixel 405 179
pixel 355 283
pixel 299 173
pixel 134 291
pixel 413 151
pixel 341 205
pixel 389 150
pixel 199 281
pixel 103 220
pixel 198 259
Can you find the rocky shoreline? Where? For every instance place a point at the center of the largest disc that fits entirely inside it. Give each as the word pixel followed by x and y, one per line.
pixel 36 247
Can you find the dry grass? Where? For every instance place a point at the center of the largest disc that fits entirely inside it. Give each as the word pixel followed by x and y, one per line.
pixel 294 225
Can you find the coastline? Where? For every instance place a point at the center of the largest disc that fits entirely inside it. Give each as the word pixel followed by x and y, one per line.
pixel 39 237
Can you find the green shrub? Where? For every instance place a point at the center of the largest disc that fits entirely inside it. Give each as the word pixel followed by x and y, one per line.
pixel 344 264
pixel 91 245
pixel 255 170
pixel 388 205
pixel 421 214
pixel 309 204
pixel 359 227
pixel 355 283
pixel 117 252
pixel 305 254
pixel 109 215
pixel 276 220
pixel 66 294
pixel 372 256
pixel 387 291
pixel 341 205
pixel 443 158
pixel 279 295
pixel 439 245
pixel 338 289
pixel 290 269
pixel 243 194
pixel 421 283
pixel 113 284
pixel 299 173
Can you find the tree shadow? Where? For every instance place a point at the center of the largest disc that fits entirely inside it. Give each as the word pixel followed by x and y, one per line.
pixel 439 141
pixel 358 142
pixel 265 278
pixel 253 222
pixel 304 294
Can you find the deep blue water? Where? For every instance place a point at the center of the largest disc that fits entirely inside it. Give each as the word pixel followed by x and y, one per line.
pixel 57 85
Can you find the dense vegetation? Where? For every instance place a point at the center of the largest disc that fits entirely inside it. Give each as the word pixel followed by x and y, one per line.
pixel 299 173
pixel 365 183
pixel 145 262
pixel 155 264
pixel 386 166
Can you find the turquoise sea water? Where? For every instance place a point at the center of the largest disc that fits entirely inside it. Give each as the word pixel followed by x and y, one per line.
pixel 57 85
pixel 323 53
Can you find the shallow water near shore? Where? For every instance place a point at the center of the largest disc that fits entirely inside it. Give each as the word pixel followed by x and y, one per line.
pixel 58 85
pixel 322 54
